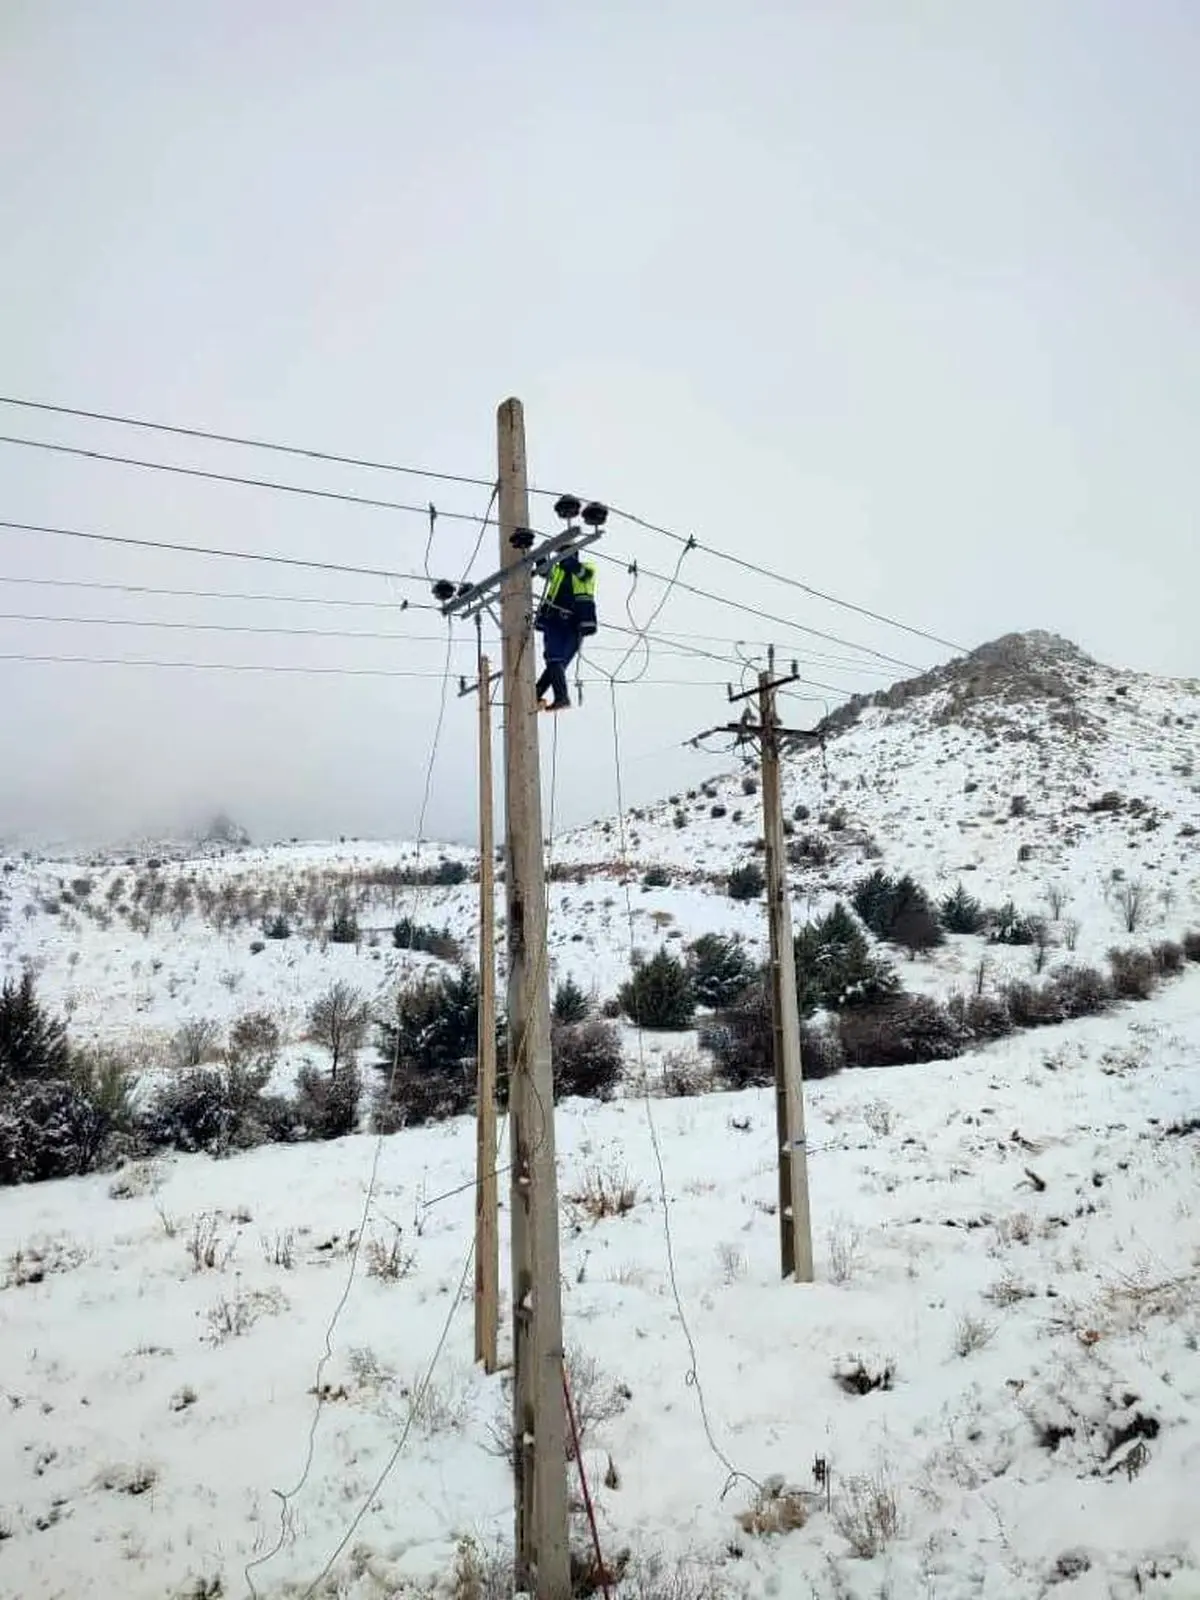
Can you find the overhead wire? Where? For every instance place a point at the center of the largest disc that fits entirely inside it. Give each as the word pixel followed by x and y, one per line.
pixel 775 576
pixel 245 441
pixel 209 475
pixel 213 551
pixel 764 616
pixel 396 603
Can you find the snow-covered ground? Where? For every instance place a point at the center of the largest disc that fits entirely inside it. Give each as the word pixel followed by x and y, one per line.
pixel 1016 1234
pixel 1013 1236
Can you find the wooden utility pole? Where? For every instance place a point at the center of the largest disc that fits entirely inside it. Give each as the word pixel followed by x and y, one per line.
pixel 539 1415
pixel 795 1223
pixel 487 1232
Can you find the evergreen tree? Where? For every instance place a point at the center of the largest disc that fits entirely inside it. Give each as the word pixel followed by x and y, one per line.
pixel 33 1044
pixel 961 912
pixel 719 969
pixel 570 1003
pixel 432 1045
pixel 659 994
pixel 836 967
pixel 747 882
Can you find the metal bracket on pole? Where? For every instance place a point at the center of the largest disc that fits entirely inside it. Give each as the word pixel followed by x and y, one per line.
pixel 479 594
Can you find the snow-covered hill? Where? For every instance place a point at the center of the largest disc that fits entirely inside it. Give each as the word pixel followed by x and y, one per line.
pixel 1009 1242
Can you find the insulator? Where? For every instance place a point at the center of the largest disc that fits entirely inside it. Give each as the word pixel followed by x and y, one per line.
pixel 567 506
pixel 443 590
pixel 522 538
pixel 595 514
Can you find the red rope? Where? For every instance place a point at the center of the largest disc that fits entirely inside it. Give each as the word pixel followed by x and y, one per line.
pixel 601 1569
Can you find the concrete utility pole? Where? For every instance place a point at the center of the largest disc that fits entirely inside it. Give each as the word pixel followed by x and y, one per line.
pixel 539 1413
pixel 487 1230
pixel 795 1224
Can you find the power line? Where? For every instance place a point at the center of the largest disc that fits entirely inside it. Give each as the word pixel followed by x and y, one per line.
pixel 230 477
pixel 211 550
pixel 269 667
pixel 247 442
pixel 225 594
pixel 785 578
pixel 754 611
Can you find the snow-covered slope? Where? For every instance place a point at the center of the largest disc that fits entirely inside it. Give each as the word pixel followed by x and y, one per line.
pixel 1015 1233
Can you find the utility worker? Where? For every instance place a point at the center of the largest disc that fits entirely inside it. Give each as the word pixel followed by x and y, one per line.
pixel 566 616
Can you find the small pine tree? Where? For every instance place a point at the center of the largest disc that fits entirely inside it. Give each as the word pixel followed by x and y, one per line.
pixel 33 1043
pixel 344 927
pixel 719 969
pixel 432 1046
pixel 962 913
pixel 746 882
pixel 836 967
pixel 571 1005
pixel 659 994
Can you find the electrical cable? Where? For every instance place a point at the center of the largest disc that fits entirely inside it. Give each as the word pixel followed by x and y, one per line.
pixel 784 578
pixel 229 477
pixel 790 624
pixel 286 1497
pixel 692 1379
pixel 398 604
pixel 212 550
pixel 248 443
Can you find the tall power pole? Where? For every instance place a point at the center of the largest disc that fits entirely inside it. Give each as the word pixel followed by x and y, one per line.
pixel 539 1413
pixel 487 1232
pixel 795 1223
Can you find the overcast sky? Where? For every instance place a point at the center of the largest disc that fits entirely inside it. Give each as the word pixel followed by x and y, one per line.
pixel 897 298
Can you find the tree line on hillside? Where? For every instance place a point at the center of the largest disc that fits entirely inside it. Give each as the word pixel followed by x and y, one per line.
pixel 67 1108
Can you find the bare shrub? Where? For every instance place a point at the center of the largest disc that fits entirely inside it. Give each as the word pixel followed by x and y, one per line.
pixel 775 1510
pixel 280 1251
pixel 1082 991
pixel 131 1479
pixel 844 1248
pixel 732 1261
pixel 481 1574
pixel 438 1407
pixel 194 1042
pixel 338 1022
pixel 1169 957
pixel 866 1514
pixel 877 1115
pixel 685 1074
pixel 1008 1290
pixel 231 1317
pixel 1071 932
pixel 387 1259
pixel 595 1397
pixel 1133 902
pixel 1191 944
pixel 972 1334
pixel 1134 973
pixel 605 1192
pixel 1056 896
pixel 204 1245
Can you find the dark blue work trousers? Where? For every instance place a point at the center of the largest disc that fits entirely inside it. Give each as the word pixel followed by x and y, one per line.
pixel 560 644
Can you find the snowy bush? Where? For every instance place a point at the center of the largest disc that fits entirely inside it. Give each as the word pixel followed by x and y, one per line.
pixel 1191 945
pixel 343 929
pixel 980 1015
pixel 912 1028
pixel 587 1059
pixel 659 994
pixel 48 1129
pixel 428 1052
pixel 570 1002
pixel 194 1042
pixel 1135 973
pixel 719 969
pixel 327 1103
pixel 898 910
pixel 746 882
pixel 1007 925
pixel 440 942
pixel 217 1111
pixel 1082 991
